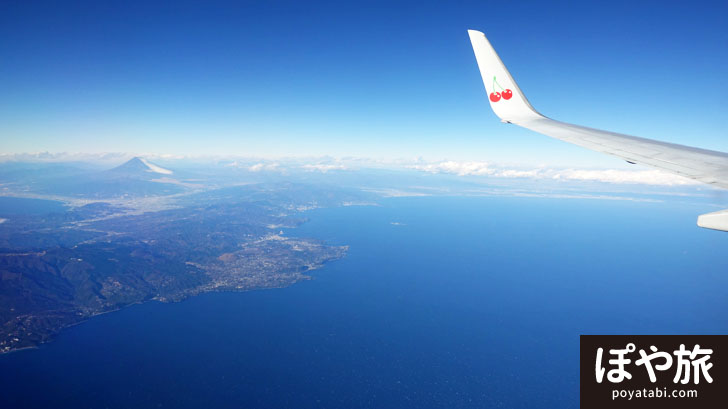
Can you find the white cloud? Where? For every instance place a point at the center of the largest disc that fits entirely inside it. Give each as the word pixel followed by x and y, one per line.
pixel 647 177
pixel 457 168
pixel 265 167
pixel 323 167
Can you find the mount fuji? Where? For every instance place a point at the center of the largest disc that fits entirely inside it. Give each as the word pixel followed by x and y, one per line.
pixel 141 168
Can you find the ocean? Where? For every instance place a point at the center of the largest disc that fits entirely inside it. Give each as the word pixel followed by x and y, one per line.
pixel 441 302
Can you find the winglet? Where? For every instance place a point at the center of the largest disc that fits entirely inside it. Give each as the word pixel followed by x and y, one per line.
pixel 506 99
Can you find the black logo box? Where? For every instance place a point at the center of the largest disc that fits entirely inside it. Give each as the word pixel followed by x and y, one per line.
pixel 596 395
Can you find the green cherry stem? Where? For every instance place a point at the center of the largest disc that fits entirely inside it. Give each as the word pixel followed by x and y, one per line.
pixel 495 82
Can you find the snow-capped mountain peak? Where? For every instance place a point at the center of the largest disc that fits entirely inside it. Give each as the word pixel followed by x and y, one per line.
pixel 155 168
pixel 138 165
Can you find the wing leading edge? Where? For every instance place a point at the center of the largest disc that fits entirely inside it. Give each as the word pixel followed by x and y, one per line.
pixel 511 106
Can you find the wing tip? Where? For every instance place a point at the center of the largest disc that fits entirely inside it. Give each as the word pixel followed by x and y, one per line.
pixel 514 106
pixel 475 34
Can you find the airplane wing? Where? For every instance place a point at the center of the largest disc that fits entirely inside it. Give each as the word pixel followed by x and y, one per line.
pixel 511 106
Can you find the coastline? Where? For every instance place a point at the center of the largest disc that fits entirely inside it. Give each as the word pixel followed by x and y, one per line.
pixel 182 297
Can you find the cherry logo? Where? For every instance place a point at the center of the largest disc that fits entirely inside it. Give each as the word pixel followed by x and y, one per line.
pixel 496 96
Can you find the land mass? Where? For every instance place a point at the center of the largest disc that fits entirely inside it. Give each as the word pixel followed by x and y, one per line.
pixel 60 268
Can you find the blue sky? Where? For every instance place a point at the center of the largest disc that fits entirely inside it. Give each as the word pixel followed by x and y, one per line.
pixel 375 79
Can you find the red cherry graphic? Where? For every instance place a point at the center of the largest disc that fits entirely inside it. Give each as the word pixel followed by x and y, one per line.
pixel 504 93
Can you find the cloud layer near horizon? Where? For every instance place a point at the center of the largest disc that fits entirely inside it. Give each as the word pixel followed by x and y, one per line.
pixel 327 164
pixel 647 177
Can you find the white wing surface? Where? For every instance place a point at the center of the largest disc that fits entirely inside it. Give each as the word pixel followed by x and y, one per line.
pixel 511 106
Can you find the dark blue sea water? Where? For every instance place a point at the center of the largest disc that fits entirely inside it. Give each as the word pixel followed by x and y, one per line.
pixel 466 303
